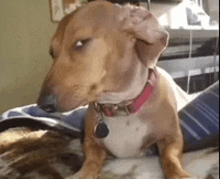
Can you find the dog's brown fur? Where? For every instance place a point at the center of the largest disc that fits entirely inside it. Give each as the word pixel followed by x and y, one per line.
pixel 116 39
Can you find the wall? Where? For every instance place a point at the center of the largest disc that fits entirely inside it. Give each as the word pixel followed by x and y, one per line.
pixel 213 6
pixel 25 34
pixel 173 14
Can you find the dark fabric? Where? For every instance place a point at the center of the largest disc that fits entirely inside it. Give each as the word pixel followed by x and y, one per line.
pixel 199 120
pixel 136 2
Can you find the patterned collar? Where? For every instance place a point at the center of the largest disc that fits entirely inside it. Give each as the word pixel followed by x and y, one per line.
pixel 131 106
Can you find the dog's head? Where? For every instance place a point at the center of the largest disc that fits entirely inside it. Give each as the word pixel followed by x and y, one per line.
pixel 96 49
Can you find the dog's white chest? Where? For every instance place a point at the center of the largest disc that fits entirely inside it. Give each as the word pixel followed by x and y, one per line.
pixel 126 135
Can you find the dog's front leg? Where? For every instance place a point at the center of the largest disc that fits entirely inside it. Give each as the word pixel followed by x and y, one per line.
pixel 94 158
pixel 94 154
pixel 171 157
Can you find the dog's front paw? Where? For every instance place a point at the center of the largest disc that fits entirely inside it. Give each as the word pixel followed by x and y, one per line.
pixel 88 171
pixel 179 177
pixel 83 175
pixel 192 177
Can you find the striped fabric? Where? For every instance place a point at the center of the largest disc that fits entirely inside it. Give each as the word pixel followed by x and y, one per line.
pixel 199 121
pixel 200 118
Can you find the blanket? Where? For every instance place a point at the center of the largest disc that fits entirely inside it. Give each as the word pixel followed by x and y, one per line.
pixel 44 154
pixel 34 144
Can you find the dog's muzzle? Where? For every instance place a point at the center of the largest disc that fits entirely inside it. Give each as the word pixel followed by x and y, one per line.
pixel 48 103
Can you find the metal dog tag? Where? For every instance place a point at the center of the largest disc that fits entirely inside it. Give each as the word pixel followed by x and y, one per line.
pixel 101 130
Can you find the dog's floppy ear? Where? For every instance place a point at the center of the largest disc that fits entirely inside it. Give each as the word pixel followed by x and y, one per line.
pixel 152 39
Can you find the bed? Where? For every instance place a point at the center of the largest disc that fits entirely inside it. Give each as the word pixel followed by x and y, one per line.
pixel 34 144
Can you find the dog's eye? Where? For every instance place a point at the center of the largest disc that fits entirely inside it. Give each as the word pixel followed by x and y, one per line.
pixel 80 44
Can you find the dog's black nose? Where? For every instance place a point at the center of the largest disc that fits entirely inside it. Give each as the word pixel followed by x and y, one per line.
pixel 48 103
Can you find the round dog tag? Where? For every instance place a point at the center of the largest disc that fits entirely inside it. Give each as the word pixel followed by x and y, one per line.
pixel 101 130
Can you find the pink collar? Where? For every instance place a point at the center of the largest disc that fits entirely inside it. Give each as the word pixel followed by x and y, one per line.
pixel 132 106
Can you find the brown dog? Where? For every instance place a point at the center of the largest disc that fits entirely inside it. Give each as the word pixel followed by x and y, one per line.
pixel 106 55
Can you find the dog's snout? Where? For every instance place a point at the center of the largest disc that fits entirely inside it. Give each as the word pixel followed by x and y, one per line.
pixel 48 103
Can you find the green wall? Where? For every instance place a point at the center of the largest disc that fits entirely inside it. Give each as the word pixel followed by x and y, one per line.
pixel 25 33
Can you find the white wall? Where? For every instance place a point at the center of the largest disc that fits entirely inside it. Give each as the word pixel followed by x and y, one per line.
pixel 25 32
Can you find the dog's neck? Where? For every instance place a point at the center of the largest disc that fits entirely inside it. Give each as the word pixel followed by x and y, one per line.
pixel 136 87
